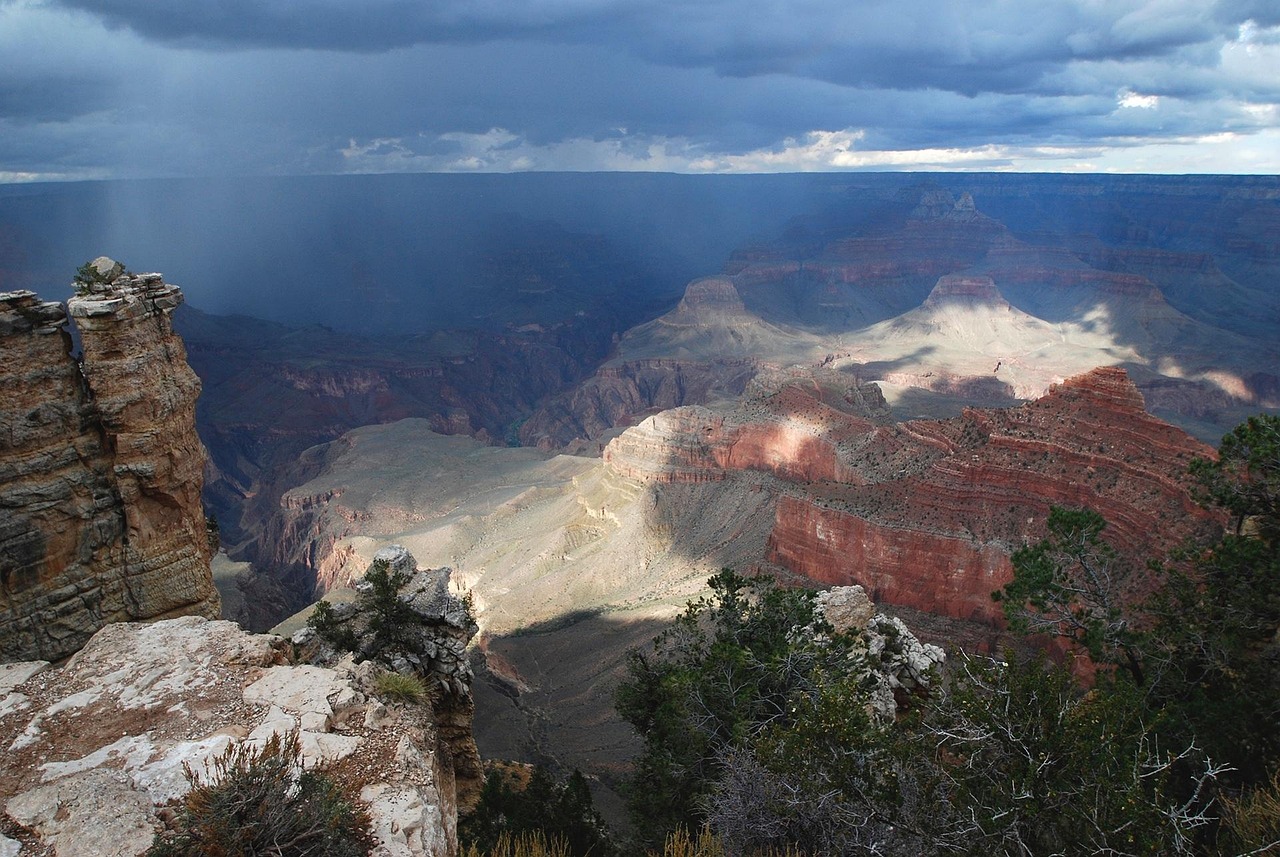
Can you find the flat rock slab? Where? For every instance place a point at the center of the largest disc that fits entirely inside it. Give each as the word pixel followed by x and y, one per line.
pixel 90 751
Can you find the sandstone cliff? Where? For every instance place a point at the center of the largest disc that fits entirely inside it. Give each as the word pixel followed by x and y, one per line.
pixel 100 467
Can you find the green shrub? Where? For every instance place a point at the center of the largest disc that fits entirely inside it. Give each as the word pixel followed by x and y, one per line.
pixel 256 802
pixel 402 688
pixel 561 814
pixel 330 630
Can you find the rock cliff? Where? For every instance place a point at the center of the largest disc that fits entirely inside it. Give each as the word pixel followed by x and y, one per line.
pixel 925 514
pixel 95 750
pixel 100 466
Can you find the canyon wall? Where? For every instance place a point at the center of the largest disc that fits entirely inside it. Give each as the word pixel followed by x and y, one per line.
pixel 925 514
pixel 100 467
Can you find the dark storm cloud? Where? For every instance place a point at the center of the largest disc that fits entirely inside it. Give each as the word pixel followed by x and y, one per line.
pixel 369 25
pixel 968 48
pixel 137 87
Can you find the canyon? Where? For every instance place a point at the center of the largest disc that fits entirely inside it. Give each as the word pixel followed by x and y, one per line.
pixel 572 560
pixel 919 288
pixel 888 384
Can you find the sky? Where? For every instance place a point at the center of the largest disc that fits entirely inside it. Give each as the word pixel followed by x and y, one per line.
pixel 100 89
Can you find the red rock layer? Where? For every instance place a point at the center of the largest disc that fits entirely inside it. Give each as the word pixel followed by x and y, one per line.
pixel 795 431
pixel 925 514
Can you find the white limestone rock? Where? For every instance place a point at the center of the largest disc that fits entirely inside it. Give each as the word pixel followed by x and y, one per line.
pixel 846 608
pixel 94 747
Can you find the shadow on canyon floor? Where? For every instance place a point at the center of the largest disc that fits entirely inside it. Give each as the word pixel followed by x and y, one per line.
pixel 545 695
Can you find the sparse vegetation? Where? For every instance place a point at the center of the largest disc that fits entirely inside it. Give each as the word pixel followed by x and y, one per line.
pixel 326 624
pixel 402 688
pixel 535 813
pixel 528 844
pixel 259 801
pixel 87 276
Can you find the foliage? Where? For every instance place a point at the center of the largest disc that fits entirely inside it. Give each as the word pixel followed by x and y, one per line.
pixel 1245 477
pixel 1253 819
pixel 730 666
pixel 760 726
pixel 330 629
pixel 86 276
pixel 1074 584
pixel 260 801
pixel 390 618
pixel 402 688
pixel 563 813
pixel 392 624
pixel 1204 645
pixel 1030 764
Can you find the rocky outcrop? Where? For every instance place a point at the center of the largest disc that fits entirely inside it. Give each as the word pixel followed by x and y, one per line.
pixel 898 664
pixel 791 425
pixel 925 514
pixel 409 622
pixel 95 750
pixel 100 466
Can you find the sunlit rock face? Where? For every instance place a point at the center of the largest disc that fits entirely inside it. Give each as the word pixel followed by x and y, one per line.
pixel 950 305
pixel 925 514
pixel 100 467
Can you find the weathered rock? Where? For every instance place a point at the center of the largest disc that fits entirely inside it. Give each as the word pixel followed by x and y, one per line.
pixel 925 514
pixel 846 608
pixel 100 468
pixel 898 664
pixel 93 748
pixel 431 645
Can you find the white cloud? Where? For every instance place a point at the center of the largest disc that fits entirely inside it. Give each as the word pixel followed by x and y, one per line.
pixel 1129 98
pixel 499 150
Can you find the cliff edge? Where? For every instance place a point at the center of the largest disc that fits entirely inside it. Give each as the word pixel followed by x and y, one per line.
pixel 100 465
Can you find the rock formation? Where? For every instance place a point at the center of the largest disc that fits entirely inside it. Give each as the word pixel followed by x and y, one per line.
pixel 570 560
pixel 948 307
pixel 898 664
pixel 94 750
pixel 100 465
pixel 272 392
pixel 420 629
pixel 925 514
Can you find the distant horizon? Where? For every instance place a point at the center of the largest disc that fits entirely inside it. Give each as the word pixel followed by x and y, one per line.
pixel 24 182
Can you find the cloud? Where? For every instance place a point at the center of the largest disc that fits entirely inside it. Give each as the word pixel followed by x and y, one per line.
pixel 135 87
pixel 1129 98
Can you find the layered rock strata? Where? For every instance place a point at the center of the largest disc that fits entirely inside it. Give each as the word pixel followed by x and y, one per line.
pixel 95 750
pixel 925 514
pixel 100 466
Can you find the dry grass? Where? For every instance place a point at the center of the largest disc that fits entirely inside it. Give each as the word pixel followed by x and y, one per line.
pixel 535 844
pixel 1253 819
pixel 402 688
